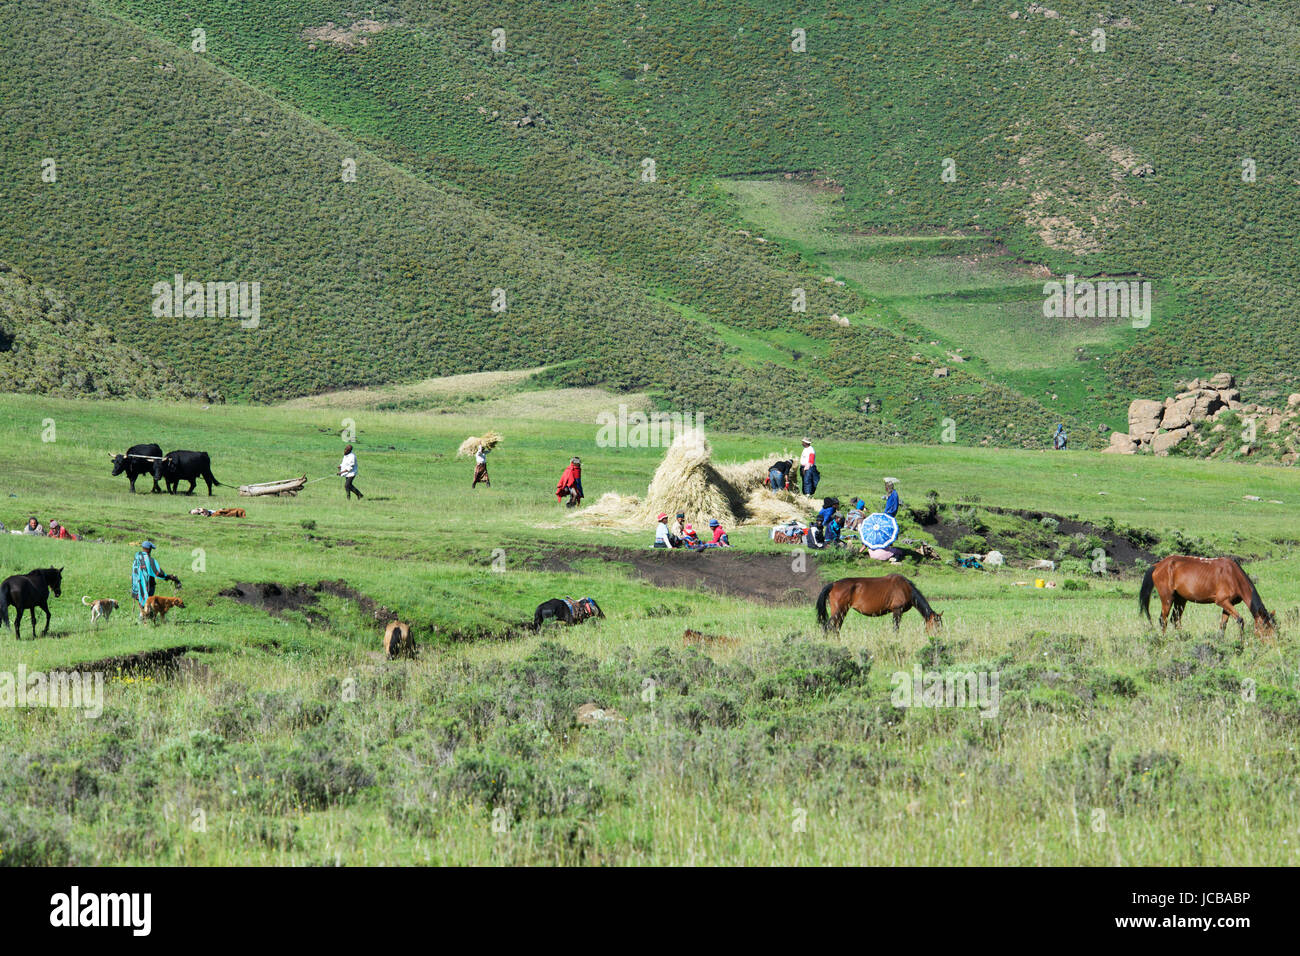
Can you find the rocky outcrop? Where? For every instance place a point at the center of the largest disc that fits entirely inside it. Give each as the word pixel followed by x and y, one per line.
pixel 1160 426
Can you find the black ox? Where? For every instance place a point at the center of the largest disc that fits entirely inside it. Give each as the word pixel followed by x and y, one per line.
pixel 138 460
pixel 190 466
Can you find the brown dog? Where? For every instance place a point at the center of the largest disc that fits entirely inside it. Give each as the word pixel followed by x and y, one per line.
pixel 156 608
pixel 102 608
pixel 708 640
pixel 397 640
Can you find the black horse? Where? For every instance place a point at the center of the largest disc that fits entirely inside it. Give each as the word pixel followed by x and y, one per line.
pixel 27 592
pixel 565 611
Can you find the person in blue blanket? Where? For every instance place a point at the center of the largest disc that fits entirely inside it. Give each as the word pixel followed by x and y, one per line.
pixel 891 498
pixel 145 572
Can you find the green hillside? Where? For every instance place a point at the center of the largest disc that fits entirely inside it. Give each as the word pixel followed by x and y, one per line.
pixel 522 169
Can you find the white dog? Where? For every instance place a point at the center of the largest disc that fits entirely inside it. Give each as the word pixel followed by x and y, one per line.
pixel 101 608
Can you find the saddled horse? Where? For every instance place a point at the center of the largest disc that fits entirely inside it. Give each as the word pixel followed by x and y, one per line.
pixel 874 597
pixel 1181 578
pixel 565 611
pixel 27 592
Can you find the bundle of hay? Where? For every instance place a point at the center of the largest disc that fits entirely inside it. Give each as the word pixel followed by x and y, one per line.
pixel 470 445
pixel 688 481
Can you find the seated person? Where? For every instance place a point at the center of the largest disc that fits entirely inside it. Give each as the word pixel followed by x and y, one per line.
pixel 853 520
pixel 663 537
pixel 719 536
pixel 831 528
pixel 690 539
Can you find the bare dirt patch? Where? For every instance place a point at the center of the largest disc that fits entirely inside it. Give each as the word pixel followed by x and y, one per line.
pixel 763 578
pixel 351 37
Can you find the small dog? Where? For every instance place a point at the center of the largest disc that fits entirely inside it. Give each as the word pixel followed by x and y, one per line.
pixel 156 608
pixel 102 608
pixel 397 640
pixel 708 640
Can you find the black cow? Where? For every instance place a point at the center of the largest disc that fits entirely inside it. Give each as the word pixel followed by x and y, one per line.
pixel 138 460
pixel 187 465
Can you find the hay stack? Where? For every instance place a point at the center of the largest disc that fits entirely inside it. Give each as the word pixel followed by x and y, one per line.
pixel 687 480
pixel 470 445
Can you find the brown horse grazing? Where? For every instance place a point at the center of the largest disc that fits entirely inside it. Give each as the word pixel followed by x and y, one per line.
pixel 874 597
pixel 1180 578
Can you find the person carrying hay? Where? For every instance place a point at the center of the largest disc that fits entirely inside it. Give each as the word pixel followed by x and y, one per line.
pixel 569 491
pixel 480 467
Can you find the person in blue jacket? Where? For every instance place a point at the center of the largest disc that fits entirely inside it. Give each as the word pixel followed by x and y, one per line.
pixel 891 498
pixel 144 572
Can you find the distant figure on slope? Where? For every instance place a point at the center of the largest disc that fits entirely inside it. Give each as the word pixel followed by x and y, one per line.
pixel 890 498
pixel 808 468
pixel 348 470
pixel 480 467
pixel 570 486
pixel 1060 439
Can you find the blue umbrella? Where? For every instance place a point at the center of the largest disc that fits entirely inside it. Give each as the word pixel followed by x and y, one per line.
pixel 878 530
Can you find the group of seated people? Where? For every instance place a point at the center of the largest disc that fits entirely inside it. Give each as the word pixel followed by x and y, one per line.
pixel 33 527
pixel 682 535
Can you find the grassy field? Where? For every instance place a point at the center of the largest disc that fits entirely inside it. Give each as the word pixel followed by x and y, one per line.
pixel 285 738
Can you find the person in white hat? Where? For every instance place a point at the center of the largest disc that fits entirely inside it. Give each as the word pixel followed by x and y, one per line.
pixel 808 468
pixel 891 497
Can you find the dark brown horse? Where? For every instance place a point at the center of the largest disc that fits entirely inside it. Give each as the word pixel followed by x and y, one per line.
pixel 874 597
pixel 1180 578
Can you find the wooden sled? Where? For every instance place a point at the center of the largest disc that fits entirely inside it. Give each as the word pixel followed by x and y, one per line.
pixel 290 486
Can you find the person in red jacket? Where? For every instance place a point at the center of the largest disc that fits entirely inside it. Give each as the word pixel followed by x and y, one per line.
pixel 719 535
pixel 58 531
pixel 570 485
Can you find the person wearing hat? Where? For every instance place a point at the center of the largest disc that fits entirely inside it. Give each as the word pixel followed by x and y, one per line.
pixel 348 471
pixel 145 572
pixel 808 468
pixel 858 511
pixel 719 535
pixel 58 531
pixel 690 539
pixel 663 537
pixel 570 485
pixel 891 497
pixel 677 528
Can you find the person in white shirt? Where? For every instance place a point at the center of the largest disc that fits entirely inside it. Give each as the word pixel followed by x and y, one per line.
pixel 808 466
pixel 480 468
pixel 348 469
pixel 663 538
